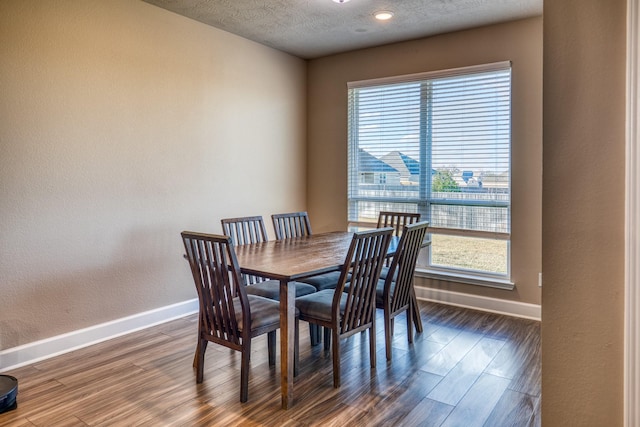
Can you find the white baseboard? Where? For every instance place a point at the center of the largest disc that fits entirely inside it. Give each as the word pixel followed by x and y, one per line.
pixel 493 305
pixel 39 350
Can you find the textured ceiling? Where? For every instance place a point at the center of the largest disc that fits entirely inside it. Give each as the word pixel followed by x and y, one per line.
pixel 315 28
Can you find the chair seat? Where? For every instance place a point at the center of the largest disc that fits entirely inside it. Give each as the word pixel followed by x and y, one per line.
pixel 264 312
pixel 318 305
pixel 385 272
pixel 271 289
pixel 380 292
pixel 324 281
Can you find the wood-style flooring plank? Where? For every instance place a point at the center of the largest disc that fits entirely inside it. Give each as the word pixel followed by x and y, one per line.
pixel 427 413
pixel 476 406
pixel 446 359
pixel 524 341
pixel 16 422
pixel 514 410
pixel 397 405
pixel 460 379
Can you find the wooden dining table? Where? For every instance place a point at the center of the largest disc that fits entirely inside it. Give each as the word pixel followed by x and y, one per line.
pixel 289 260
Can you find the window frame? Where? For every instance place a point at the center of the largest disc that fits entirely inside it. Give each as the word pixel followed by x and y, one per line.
pixel 425 200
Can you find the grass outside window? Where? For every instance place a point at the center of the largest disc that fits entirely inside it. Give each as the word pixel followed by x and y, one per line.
pixel 469 253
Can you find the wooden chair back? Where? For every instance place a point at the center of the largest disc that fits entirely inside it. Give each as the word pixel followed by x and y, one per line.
pixel 216 274
pixel 399 295
pixel 397 220
pixel 243 231
pixel 294 224
pixel 364 261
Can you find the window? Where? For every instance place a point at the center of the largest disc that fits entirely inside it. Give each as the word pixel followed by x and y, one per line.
pixel 442 142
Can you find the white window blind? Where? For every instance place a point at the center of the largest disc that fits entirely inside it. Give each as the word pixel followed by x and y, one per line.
pixel 435 143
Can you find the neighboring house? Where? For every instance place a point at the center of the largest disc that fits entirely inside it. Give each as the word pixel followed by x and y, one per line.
pixel 494 182
pixel 394 168
pixel 374 171
pixel 482 182
pixel 408 168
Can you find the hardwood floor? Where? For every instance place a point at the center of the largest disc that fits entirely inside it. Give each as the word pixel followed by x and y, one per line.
pixel 467 368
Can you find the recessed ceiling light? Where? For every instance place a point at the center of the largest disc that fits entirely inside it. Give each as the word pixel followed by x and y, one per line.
pixel 340 1
pixel 383 15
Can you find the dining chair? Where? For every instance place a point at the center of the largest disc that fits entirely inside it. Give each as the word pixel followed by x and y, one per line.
pixel 347 313
pixel 248 230
pixel 398 220
pixel 395 294
pixel 228 315
pixel 288 225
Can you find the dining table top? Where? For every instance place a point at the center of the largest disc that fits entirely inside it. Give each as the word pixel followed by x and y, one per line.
pixel 298 257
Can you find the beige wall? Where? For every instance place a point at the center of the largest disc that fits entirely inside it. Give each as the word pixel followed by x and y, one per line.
pixel 519 42
pixel 583 212
pixel 122 124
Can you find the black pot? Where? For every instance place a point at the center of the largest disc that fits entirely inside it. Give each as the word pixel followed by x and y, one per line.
pixel 8 393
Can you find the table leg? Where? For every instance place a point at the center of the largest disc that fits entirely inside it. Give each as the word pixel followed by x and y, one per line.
pixel 287 340
pixel 417 320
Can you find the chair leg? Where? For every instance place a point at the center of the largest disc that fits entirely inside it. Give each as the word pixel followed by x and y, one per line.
pixel 296 348
pixel 195 355
pixel 271 344
pixel 387 334
pixel 319 330
pixel 244 372
pixel 336 357
pixel 372 345
pixel 313 334
pixel 410 323
pixel 327 338
pixel 417 320
pixel 199 360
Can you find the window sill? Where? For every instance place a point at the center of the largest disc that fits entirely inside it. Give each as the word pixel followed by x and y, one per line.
pixel 467 279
